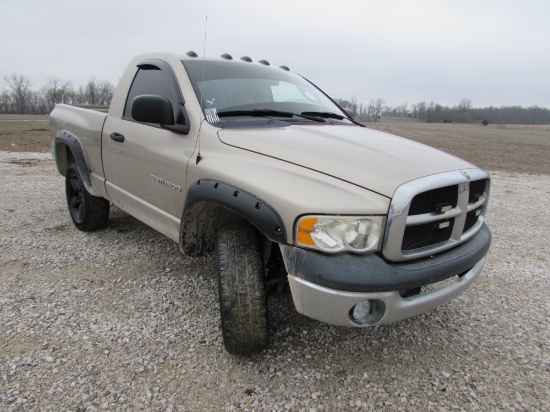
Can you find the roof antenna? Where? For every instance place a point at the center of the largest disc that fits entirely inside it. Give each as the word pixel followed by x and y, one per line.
pixel 202 80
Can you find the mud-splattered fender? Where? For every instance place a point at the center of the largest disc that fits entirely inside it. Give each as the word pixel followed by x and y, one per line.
pixel 206 198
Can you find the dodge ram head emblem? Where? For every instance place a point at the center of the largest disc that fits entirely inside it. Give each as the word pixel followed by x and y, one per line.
pixel 466 175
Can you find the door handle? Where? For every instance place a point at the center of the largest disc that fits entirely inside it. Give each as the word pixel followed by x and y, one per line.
pixel 117 137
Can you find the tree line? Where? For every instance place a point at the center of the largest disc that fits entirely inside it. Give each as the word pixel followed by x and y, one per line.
pixel 363 112
pixel 17 95
pixel 432 112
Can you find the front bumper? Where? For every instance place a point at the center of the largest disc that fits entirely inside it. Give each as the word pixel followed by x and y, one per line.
pixel 327 287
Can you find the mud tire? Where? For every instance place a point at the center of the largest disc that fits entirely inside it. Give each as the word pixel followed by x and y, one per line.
pixel 242 289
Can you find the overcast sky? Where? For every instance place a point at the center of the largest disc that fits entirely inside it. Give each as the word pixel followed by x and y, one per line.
pixel 494 52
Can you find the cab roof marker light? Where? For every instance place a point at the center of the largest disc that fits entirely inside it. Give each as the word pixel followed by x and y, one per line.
pixel 226 56
pixel 191 53
pixel 284 68
pixel 246 59
pixel 264 62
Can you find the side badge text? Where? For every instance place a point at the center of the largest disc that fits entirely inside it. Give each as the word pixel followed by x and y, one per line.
pixel 166 183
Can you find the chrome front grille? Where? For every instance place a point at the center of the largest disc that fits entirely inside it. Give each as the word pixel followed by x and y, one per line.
pixel 435 213
pixel 428 201
pixel 427 234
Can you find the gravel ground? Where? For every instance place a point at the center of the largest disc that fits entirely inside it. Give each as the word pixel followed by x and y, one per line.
pixel 119 320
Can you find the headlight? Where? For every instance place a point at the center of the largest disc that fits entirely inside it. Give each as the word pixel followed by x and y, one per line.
pixel 340 233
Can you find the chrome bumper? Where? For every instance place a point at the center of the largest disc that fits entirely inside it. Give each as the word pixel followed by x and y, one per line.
pixel 334 306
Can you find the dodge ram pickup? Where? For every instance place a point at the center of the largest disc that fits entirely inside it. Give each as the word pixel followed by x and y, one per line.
pixel 257 163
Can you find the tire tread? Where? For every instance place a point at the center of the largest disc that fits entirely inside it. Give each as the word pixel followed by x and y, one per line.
pixel 242 289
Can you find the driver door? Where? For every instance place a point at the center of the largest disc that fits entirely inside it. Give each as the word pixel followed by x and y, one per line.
pixel 145 164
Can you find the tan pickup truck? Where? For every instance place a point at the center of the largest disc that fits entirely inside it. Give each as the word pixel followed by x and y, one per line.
pixel 257 163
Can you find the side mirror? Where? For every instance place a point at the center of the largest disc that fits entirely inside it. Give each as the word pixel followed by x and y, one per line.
pixel 157 109
pixel 153 109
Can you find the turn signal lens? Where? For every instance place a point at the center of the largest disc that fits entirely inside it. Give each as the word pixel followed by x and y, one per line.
pixel 338 233
pixel 304 230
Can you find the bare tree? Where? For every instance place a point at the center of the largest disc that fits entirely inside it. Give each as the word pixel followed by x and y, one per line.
pixel 36 103
pixel 370 111
pixel 5 101
pixel 105 93
pixel 343 103
pixel 361 113
pixel 465 105
pixel 421 110
pixel 56 91
pixel 464 108
pixel 92 91
pixel 78 96
pixel 354 106
pixel 20 91
pixel 402 110
pixel 375 109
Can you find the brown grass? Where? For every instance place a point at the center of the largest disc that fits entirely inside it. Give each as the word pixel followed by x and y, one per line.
pixel 511 148
pixel 24 133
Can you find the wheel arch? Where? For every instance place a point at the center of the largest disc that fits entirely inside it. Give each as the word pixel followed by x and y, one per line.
pixel 210 202
pixel 67 148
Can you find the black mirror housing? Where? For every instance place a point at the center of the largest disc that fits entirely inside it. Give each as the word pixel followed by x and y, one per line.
pixel 153 109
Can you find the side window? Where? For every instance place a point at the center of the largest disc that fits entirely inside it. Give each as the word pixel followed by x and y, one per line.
pixel 151 80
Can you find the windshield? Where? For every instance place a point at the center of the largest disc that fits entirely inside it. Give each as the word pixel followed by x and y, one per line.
pixel 237 94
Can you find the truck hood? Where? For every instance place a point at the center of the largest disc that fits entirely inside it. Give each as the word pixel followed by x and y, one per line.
pixel 374 160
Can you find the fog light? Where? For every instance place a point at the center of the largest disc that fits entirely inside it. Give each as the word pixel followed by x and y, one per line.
pixel 368 312
pixel 362 310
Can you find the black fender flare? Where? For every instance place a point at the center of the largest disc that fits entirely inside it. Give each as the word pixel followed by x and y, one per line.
pixel 203 199
pixel 64 137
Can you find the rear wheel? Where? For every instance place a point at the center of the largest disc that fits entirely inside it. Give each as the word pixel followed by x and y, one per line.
pixel 242 289
pixel 87 212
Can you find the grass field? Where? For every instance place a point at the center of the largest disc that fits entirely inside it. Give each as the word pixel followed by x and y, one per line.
pixel 511 148
pixel 24 133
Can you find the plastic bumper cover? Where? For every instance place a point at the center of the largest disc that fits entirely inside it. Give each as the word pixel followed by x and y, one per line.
pixel 327 289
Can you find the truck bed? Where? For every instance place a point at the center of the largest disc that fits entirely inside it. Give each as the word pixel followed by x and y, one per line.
pixel 86 124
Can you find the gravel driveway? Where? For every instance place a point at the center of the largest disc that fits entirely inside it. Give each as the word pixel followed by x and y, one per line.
pixel 119 320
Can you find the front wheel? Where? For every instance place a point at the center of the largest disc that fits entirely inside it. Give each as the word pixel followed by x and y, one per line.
pixel 87 212
pixel 242 289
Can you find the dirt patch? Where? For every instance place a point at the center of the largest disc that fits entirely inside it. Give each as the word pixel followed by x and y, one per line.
pixel 508 148
pixel 24 133
pixel 24 162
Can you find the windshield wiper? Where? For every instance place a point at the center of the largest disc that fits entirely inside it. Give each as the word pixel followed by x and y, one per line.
pixel 329 115
pixel 324 115
pixel 267 113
